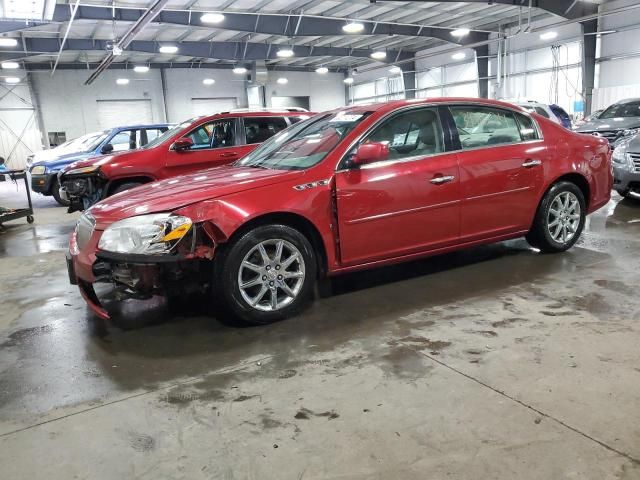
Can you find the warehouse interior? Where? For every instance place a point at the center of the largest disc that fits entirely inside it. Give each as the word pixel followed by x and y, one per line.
pixel 490 360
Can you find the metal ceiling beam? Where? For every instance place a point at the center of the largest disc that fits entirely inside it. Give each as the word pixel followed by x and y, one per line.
pixel 146 17
pixel 563 8
pixel 271 24
pixel 233 51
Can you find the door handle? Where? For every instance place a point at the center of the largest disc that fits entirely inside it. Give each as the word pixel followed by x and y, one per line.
pixel 443 179
pixel 531 163
pixel 229 154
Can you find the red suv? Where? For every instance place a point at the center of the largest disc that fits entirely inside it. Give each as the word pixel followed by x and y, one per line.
pixel 195 144
pixel 350 189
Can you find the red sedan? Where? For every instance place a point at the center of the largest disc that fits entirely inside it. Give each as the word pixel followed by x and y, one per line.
pixel 350 189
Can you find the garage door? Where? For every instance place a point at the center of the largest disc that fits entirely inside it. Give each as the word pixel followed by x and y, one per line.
pixel 209 106
pixel 117 113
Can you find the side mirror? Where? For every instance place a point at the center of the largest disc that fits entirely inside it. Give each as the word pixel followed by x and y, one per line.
pixel 370 153
pixel 182 144
pixel 108 148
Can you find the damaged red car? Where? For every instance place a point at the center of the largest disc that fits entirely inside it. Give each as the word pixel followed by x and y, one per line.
pixel 346 190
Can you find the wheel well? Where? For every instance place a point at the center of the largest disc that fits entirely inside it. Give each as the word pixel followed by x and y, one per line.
pixel 120 181
pixel 292 220
pixel 579 181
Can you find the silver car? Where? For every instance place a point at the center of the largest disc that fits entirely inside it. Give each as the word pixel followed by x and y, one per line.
pixel 622 119
pixel 626 167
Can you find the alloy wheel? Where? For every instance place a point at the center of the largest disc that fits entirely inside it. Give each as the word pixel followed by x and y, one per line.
pixel 563 218
pixel 271 275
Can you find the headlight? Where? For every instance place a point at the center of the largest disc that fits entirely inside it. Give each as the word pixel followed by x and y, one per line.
pixel 146 234
pixel 39 170
pixel 78 171
pixel 630 131
pixel 620 155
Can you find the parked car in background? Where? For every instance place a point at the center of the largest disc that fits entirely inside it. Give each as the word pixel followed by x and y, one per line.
pixel 578 123
pixel 622 119
pixel 350 189
pixel 193 145
pixel 541 109
pixel 626 167
pixel 45 165
pixel 561 113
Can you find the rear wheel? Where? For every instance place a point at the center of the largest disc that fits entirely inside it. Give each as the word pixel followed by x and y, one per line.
pixel 124 186
pixel 266 275
pixel 559 220
pixel 55 191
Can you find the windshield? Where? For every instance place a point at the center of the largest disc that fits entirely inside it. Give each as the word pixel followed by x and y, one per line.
pixel 629 109
pixel 85 143
pixel 305 144
pixel 169 133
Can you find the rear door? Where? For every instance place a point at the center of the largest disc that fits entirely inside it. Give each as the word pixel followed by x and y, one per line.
pixel 215 142
pixel 502 158
pixel 408 203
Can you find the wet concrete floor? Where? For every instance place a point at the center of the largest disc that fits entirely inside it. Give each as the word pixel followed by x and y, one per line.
pixel 496 362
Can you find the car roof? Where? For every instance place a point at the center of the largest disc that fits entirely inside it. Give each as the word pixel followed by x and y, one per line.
pixel 392 105
pixel 255 113
pixel 142 125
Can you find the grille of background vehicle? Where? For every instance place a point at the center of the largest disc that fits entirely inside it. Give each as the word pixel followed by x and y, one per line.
pixel 635 158
pixel 84 230
pixel 610 135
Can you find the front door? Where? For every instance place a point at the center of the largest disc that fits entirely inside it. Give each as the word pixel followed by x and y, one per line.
pixel 501 170
pixel 408 203
pixel 214 143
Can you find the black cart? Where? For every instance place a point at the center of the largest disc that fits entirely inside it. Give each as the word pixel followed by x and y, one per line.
pixel 8 214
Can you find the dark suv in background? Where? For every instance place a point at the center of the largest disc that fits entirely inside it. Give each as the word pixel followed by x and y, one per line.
pixel 620 120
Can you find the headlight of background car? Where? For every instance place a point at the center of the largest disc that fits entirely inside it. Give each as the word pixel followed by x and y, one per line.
pixel 78 171
pixel 146 234
pixel 620 153
pixel 39 170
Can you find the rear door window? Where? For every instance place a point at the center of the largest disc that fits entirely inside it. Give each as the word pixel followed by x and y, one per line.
pixel 480 126
pixel 260 129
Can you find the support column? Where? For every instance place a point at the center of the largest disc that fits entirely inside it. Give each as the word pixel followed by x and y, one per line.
pixel 482 68
pixel 409 78
pixel 588 62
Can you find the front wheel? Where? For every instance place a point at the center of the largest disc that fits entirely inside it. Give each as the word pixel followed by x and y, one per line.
pixel 266 275
pixel 124 187
pixel 559 220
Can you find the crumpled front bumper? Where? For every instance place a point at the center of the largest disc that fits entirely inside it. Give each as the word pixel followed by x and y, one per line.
pixel 81 191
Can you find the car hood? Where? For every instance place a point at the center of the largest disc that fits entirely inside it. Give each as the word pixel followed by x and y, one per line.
pixel 99 160
pixel 610 124
pixel 177 192
pixel 60 159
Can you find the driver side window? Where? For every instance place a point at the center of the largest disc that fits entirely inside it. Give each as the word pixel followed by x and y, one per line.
pixel 410 134
pixel 218 134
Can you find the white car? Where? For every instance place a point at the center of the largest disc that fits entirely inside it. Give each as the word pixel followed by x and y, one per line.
pixel 536 107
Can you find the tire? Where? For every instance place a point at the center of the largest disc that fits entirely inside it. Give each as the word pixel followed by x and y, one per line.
pixel 230 270
pixel 55 191
pixel 124 186
pixel 566 227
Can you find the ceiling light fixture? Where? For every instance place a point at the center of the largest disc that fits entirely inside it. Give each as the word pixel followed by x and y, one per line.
pixel 8 42
pixel 141 69
pixel 395 69
pixel 548 35
pixel 353 27
pixel 208 81
pixel 282 81
pixel 322 70
pixel 239 70
pixel 459 56
pixel 10 65
pixel 212 18
pixel 12 80
pixel 168 49
pixel 285 53
pixel 379 55
pixel 348 80
pixel 460 32
pixel 122 81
